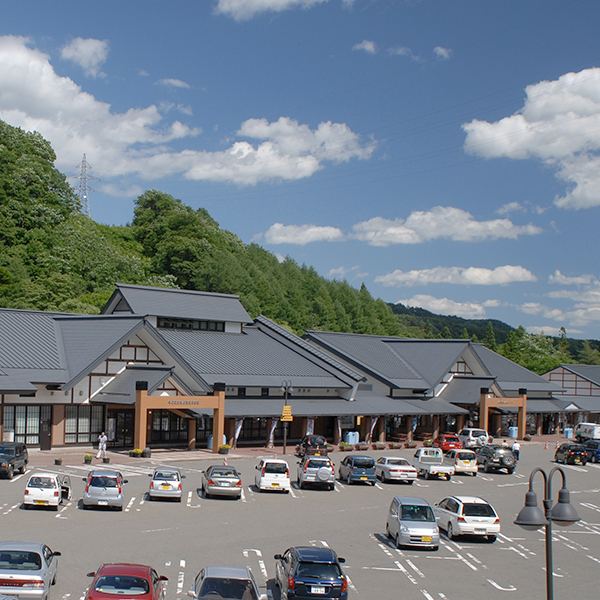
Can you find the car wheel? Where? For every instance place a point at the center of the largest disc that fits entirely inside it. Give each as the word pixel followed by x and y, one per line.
pixel 594 459
pixel 387 531
pixel 474 473
pixel 584 463
pixel 120 508
pixel 487 468
pixel 54 579
pixel 491 538
pixel 450 531
pixel 398 540
pixel 383 477
pixel 510 471
pixel 56 508
pixel 411 482
pixel 10 472
pixel 331 487
pixel 448 477
pixel 348 481
pixel 301 485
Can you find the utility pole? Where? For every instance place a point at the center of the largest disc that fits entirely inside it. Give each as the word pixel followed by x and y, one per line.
pixel 83 189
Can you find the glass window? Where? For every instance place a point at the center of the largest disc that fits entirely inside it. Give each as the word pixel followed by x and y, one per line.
pixel 83 423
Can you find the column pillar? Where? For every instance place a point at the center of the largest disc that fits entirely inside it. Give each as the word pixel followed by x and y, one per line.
pixel 380 427
pixel 522 416
pixel 218 417
pixel 436 426
pixel 484 409
pixel 191 434
pixel 409 434
pixel 141 414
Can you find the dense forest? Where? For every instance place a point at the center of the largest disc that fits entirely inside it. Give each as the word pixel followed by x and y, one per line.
pixel 54 258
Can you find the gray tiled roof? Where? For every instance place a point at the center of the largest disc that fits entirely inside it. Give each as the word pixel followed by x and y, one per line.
pixel 589 372
pixel 181 304
pixel 247 359
pixel 121 390
pixel 466 390
pixel 586 403
pixel 372 354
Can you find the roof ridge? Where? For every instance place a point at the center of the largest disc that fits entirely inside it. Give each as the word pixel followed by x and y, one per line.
pixel 171 290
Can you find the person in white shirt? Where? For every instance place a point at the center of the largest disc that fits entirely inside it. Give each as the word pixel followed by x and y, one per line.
pixel 516 447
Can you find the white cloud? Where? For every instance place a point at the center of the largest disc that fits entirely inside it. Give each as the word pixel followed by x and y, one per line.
pixel 442 53
pixel 367 45
pixel 242 10
pixel 89 54
pixel 301 234
pixel 35 98
pixel 342 272
pixel 506 209
pixel 173 83
pixel 561 279
pixel 445 306
pixel 404 51
pixel 559 125
pixel 550 330
pixel 457 275
pixel 440 222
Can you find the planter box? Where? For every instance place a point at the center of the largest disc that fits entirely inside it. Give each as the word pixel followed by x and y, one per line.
pixel 346 448
pixel 106 460
pixel 87 461
pixel 58 461
pixel 146 453
pixel 223 450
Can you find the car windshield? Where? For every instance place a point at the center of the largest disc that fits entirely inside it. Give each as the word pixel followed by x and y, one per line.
pixel 450 438
pixel 478 510
pixel 478 433
pixel 105 482
pixel 315 440
pixel 364 463
pixel 122 584
pixel 21 561
pixel 232 589
pixel 465 456
pixel 318 570
pixel 223 473
pixel 7 452
pixel 46 483
pixel 398 462
pixel 167 475
pixel 417 513
pixel 317 464
pixel 275 468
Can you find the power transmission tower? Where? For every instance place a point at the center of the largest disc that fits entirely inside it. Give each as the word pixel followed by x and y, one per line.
pixel 83 189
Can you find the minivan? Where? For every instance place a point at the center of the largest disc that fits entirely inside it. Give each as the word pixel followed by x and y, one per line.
pixel 412 522
pixel 358 468
pixel 273 474
pixel 13 458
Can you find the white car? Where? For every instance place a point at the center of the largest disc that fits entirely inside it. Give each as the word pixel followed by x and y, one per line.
pixel 467 515
pixel 463 461
pixel 47 489
pixel 472 437
pixel 165 483
pixel 393 468
pixel 273 474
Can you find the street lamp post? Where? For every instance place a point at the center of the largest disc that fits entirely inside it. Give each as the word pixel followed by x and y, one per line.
pixel 286 388
pixel 532 518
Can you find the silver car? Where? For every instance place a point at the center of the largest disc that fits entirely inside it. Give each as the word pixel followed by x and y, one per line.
pixel 165 483
pixel 412 522
pixel 104 487
pixel 27 570
pixel 221 480
pixel 233 583
pixel 316 470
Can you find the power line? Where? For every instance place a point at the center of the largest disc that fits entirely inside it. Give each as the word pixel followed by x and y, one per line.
pixel 83 189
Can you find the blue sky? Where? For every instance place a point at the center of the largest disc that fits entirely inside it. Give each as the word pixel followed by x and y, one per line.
pixel 445 153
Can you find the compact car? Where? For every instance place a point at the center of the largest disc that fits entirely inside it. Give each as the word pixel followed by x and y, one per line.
pixel 463 461
pixel 592 449
pixel 357 468
pixel 272 474
pixel 27 570
pixel 47 489
pixel 447 441
pixel 124 580
pixel 412 522
pixel 13 458
pixel 571 454
pixel 104 487
pixel 394 468
pixel 467 515
pixel 494 457
pixel 308 572
pixel 233 583
pixel 316 471
pixel 166 482
pixel 221 480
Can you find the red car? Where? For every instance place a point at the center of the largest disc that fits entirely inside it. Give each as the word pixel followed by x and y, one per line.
pixel 448 441
pixel 122 579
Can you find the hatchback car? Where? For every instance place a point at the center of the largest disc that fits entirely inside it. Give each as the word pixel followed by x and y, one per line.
pixel 463 461
pixel 412 522
pixel 467 515
pixel 447 441
pixel 13 458
pixel 393 468
pixel 472 437
pixel 316 470
pixel 221 480
pixel 272 474
pixel 309 572
pixel 118 580
pixel 27 570
pixel 104 488
pixel 592 449
pixel 166 483
pixel 233 583
pixel 571 454
pixel 358 468
pixel 494 458
pixel 47 489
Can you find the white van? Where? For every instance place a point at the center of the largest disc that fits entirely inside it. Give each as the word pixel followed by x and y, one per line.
pixel 272 474
pixel 587 431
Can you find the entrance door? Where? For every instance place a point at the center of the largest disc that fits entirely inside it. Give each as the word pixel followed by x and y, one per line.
pixel 46 428
pixel 125 428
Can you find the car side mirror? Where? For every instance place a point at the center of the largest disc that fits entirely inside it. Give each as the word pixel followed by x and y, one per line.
pixel 163 578
pixel 150 475
pixel 125 480
pixel 183 477
pixel 83 479
pixel 191 594
pixel 91 574
pixel 342 560
pixel 277 557
pixel 57 554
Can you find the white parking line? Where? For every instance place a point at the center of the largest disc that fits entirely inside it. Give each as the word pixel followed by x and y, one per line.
pixel 427 595
pixel 401 567
pixel 415 568
pixel 512 588
pixel 21 475
pixel 60 514
pixel 130 504
pixel 11 509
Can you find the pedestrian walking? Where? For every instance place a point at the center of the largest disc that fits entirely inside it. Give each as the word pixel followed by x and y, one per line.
pixel 516 449
pixel 102 439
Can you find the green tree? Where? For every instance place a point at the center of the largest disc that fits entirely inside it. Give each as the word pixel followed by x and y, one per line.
pixel 588 355
pixel 490 337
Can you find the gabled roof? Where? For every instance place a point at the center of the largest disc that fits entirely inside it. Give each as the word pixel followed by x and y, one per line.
pixel 466 390
pixel 372 354
pixel 589 372
pixel 180 304
pixel 248 359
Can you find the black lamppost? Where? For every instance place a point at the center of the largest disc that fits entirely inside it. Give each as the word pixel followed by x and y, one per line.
pixel 286 388
pixel 532 518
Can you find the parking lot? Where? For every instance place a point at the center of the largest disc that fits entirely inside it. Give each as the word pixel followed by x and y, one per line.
pixel 177 539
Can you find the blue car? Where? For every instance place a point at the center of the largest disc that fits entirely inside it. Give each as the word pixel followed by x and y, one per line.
pixel 592 448
pixel 308 572
pixel 358 468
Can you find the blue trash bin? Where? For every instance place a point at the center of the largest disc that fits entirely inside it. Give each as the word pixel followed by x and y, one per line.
pixel 513 432
pixel 568 433
pixel 210 441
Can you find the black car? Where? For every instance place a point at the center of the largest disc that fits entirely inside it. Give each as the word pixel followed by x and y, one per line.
pixel 308 572
pixel 494 457
pixel 13 458
pixel 571 454
pixel 315 445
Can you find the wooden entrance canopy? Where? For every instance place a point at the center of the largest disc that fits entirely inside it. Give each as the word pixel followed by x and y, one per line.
pixel 144 403
pixel 489 401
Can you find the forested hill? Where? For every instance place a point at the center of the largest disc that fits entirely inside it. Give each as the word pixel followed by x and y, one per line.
pixel 54 258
